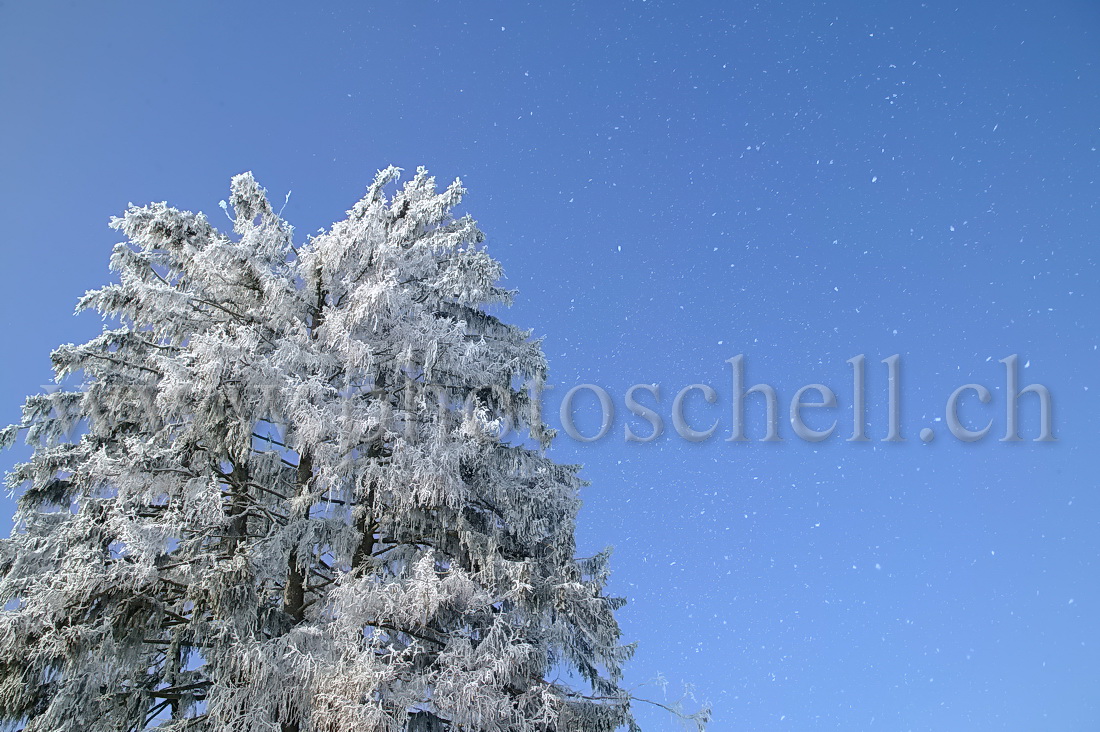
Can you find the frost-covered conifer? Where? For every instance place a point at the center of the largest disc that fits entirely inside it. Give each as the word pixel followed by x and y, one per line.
pixel 279 499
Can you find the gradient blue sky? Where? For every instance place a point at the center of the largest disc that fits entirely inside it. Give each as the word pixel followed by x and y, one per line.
pixel 669 185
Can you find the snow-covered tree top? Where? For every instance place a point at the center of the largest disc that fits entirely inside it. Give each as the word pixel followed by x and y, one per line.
pixel 280 499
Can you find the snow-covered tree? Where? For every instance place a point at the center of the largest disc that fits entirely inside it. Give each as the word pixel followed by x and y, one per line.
pixel 280 499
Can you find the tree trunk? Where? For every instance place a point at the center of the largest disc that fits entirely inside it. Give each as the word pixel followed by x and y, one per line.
pixel 294 593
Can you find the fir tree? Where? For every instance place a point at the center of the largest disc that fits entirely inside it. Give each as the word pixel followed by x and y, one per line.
pixel 279 498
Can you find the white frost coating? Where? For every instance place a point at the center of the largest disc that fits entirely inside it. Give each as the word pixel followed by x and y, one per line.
pixel 255 514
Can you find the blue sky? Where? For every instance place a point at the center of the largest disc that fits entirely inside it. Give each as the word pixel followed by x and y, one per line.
pixel 670 185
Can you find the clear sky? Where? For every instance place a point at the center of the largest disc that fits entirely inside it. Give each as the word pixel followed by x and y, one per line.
pixel 670 185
